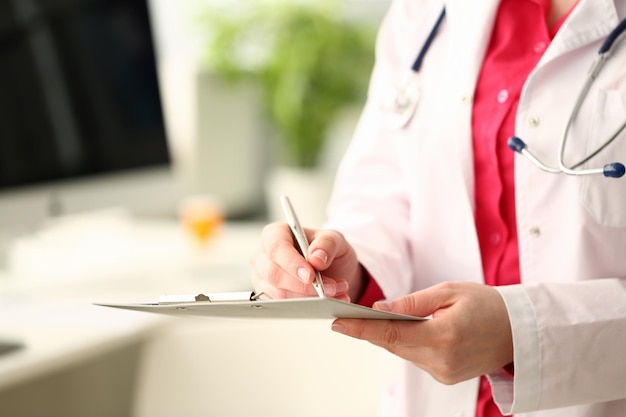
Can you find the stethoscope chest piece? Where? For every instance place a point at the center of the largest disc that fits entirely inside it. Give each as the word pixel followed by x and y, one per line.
pixel 400 105
pixel 402 102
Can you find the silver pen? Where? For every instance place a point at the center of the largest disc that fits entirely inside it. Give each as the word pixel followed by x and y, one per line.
pixel 303 243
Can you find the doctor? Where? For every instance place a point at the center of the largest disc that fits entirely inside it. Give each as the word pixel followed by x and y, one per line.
pixel 522 270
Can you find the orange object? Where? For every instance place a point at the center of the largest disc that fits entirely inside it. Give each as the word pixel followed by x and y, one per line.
pixel 201 217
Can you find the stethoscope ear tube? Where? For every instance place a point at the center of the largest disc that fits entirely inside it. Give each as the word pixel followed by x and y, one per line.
pixel 614 170
pixel 516 144
pixel 519 146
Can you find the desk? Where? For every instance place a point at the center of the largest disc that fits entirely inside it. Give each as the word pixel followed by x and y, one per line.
pixel 46 304
pixel 122 363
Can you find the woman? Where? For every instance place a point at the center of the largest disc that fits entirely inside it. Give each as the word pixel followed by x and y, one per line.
pixel 523 271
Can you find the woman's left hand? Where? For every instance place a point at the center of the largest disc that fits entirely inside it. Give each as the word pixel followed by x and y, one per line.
pixel 469 334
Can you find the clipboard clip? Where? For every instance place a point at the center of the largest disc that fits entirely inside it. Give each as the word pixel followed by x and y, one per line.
pixel 220 297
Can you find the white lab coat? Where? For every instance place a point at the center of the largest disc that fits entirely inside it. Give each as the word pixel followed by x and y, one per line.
pixel 404 199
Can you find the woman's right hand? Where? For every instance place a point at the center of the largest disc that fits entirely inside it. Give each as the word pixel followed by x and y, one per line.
pixel 280 271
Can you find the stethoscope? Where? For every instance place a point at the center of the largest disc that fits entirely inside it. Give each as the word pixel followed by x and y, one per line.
pixel 404 101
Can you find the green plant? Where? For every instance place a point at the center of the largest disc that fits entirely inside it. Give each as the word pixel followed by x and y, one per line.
pixel 309 61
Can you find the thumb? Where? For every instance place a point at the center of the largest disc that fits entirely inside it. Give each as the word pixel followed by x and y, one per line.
pixel 419 304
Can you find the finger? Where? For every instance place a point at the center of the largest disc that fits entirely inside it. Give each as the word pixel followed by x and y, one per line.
pixel 277 293
pixel 384 333
pixel 330 290
pixel 341 287
pixel 326 246
pixel 421 303
pixel 280 247
pixel 271 278
pixel 336 288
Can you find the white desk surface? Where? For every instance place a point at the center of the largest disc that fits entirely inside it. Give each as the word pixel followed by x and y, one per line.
pixel 46 296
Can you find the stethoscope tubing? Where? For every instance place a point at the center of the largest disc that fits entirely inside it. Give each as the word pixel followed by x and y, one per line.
pixel 611 170
pixel 404 107
pixel 417 64
pixel 610 40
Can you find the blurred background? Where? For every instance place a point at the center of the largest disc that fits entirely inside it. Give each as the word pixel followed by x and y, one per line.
pixel 143 146
pixel 272 88
pixel 205 97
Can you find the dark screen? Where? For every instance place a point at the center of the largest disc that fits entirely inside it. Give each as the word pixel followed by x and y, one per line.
pixel 79 91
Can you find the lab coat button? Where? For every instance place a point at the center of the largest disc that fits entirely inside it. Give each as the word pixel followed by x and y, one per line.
pixel 533 121
pixel 535 232
pixel 503 96
pixel 466 99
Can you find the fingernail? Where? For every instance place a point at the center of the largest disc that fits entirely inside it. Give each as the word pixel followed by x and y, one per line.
pixel 384 305
pixel 330 289
pixel 342 287
pixel 339 328
pixel 303 274
pixel 320 254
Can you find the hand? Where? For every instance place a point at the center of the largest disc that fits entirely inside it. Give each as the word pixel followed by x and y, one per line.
pixel 469 334
pixel 282 272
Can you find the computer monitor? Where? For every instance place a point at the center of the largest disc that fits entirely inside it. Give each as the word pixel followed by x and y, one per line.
pixel 81 121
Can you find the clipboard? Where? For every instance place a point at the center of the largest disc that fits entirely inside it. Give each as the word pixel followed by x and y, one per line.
pixel 255 306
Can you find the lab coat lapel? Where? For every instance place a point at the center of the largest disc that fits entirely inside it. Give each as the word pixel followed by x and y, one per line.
pixel 587 23
pixel 464 38
pixel 469 26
